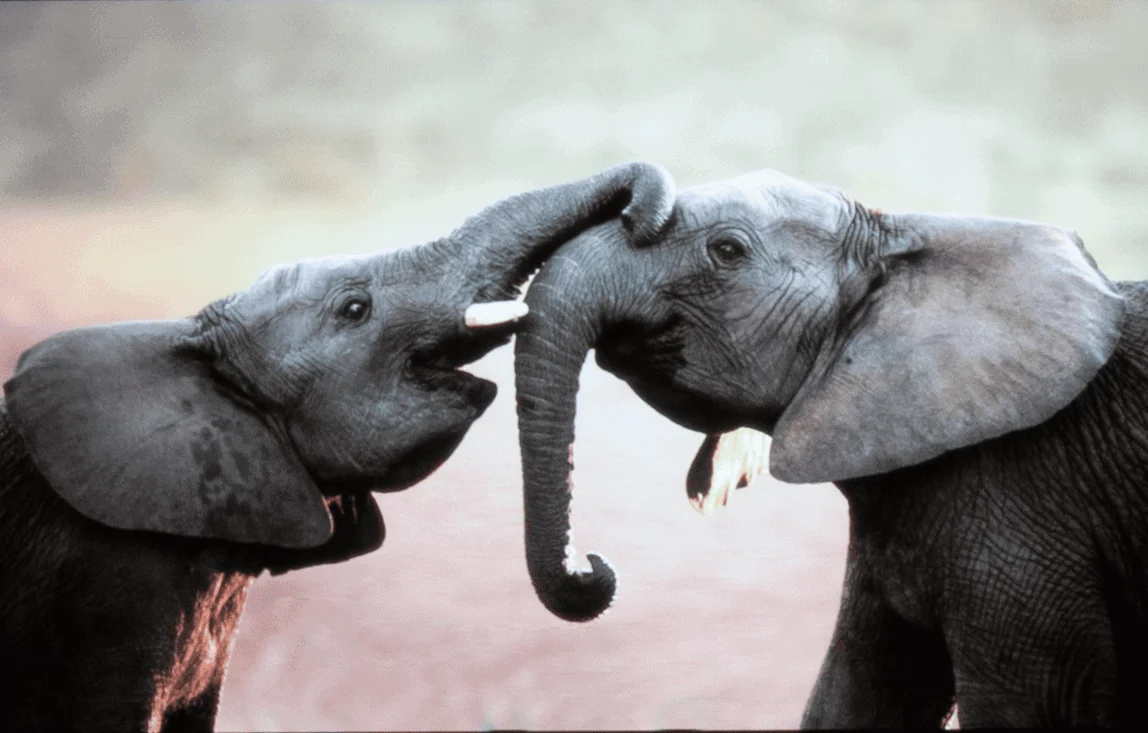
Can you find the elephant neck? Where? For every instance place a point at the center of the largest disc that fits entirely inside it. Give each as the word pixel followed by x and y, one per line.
pixel 866 236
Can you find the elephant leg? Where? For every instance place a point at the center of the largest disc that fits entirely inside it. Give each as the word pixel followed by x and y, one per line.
pixel 881 670
pixel 1029 630
pixel 1043 660
pixel 116 692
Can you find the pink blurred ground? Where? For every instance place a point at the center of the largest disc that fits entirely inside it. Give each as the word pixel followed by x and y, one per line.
pixel 720 622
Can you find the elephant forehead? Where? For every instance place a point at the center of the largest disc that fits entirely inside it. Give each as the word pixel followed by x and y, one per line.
pixel 309 278
pixel 767 196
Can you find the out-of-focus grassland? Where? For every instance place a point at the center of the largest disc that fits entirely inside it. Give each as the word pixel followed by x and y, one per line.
pixel 154 156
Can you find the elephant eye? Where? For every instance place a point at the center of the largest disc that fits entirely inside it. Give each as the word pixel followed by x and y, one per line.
pixel 355 309
pixel 727 251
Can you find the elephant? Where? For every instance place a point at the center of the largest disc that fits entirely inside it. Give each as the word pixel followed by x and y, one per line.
pixel 975 387
pixel 149 471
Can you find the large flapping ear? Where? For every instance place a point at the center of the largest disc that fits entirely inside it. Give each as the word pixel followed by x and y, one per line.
pixel 725 462
pixel 983 327
pixel 131 427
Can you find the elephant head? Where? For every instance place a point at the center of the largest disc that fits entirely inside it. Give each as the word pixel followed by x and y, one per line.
pixel 271 415
pixel 861 341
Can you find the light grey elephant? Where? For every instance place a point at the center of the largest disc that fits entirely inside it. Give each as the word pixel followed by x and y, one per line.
pixel 149 471
pixel 975 387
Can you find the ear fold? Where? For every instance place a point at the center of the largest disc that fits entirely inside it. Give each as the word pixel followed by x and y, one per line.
pixel 130 427
pixel 983 327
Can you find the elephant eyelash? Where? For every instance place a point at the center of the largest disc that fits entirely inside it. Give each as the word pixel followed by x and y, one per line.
pixel 355 309
pixel 727 251
pixel 344 299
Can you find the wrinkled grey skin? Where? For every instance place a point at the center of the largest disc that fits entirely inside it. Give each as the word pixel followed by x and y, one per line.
pixel 975 387
pixel 149 471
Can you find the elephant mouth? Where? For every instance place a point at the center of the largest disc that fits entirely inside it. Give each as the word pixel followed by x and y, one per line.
pixel 477 392
pixel 357 529
pixel 355 512
pixel 441 368
pixel 440 371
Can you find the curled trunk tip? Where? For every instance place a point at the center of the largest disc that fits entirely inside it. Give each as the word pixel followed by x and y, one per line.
pixel 582 596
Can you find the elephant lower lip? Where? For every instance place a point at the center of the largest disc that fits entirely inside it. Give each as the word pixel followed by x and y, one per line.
pixel 348 510
pixel 480 393
pixel 483 392
pixel 421 462
pixel 348 503
pixel 358 529
pixel 344 502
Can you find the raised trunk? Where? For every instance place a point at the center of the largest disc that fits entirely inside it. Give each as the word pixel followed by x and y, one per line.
pixel 569 304
pixel 502 245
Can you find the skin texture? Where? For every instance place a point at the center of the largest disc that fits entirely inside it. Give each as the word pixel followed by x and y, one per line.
pixel 974 388
pixel 150 471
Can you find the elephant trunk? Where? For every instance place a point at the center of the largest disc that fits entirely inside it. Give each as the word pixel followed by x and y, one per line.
pixel 502 245
pixel 568 307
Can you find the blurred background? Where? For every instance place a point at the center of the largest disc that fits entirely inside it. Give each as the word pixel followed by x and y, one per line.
pixel 155 156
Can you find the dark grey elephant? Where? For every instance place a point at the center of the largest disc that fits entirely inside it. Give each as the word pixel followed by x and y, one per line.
pixel 149 471
pixel 976 388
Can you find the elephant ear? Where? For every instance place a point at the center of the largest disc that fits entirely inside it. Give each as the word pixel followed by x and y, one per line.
pixel 982 327
pixel 131 427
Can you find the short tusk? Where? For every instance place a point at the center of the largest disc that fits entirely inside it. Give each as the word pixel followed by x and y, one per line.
pixel 485 315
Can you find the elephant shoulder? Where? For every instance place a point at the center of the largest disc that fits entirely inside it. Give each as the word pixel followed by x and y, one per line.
pixel 30 512
pixel 15 461
pixel 1135 330
pixel 1128 367
pixel 23 490
pixel 1134 291
pixel 44 542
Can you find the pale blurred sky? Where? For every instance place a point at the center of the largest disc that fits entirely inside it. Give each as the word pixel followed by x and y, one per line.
pixel 154 156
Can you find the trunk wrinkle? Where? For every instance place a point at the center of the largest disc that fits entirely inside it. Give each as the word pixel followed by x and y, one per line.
pixel 567 308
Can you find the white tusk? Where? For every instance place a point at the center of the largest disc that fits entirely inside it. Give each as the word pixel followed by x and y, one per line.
pixel 485 315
